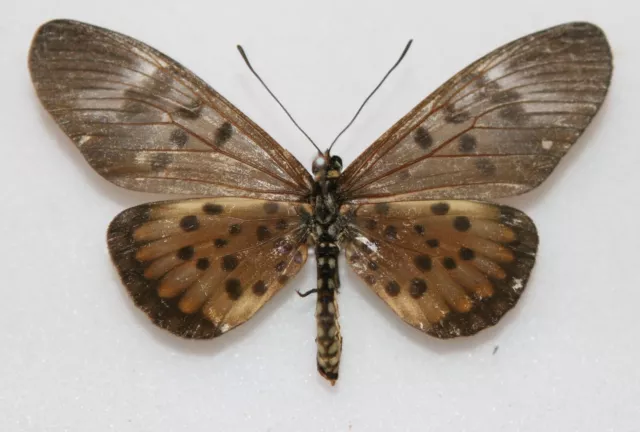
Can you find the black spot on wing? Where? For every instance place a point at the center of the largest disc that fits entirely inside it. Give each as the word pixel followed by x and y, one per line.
pixel 392 288
pixel 160 161
pixel 178 138
pixel 513 113
pixel 185 253
pixel 229 263
pixel 189 223
pixel 212 209
pixel 505 96
pixel 433 243
pixel 449 263
pixel 417 288
pixel 422 262
pixel 422 138
pixel 467 143
pixel 486 167
pixel 233 289
pixel 440 209
pixel 263 233
pixel 203 263
pixel 391 232
pixel 461 223
pixel 466 254
pixel 259 288
pixel 223 134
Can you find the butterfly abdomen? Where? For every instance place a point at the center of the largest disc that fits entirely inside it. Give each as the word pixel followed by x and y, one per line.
pixel 328 340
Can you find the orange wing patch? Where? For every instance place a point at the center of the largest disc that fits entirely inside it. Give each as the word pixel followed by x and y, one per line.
pixel 201 267
pixel 449 268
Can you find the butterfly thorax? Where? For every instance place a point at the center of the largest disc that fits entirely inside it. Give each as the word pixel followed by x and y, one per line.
pixel 325 200
pixel 326 235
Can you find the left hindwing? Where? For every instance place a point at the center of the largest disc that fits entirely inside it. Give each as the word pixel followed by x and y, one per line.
pixel 201 267
pixel 448 268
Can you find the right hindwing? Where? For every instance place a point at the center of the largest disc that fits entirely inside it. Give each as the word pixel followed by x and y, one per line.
pixel 449 268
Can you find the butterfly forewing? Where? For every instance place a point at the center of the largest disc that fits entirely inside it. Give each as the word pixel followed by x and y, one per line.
pixel 449 268
pixel 497 128
pixel 146 123
pixel 201 267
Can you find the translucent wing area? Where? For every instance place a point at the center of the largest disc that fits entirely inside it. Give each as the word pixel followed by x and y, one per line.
pixel 495 129
pixel 145 122
pixel 201 267
pixel 448 268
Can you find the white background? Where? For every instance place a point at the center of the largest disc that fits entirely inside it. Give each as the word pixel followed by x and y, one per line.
pixel 76 355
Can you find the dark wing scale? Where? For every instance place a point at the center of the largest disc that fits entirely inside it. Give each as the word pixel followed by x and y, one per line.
pixel 497 128
pixel 145 122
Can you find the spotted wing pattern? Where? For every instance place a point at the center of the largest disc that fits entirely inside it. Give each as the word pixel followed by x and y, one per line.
pixel 495 129
pixel 145 122
pixel 448 268
pixel 201 267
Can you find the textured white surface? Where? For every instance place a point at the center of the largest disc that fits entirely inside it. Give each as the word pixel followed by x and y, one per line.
pixel 76 355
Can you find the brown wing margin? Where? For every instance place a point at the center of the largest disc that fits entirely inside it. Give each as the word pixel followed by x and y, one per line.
pixel 497 128
pixel 145 122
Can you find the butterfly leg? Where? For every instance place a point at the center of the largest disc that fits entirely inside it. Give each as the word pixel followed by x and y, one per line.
pixel 305 294
pixel 329 340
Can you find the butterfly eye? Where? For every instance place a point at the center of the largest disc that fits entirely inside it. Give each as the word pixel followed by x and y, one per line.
pixel 336 163
pixel 318 164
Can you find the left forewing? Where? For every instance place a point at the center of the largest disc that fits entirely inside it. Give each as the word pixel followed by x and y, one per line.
pixel 448 268
pixel 495 129
pixel 201 267
pixel 145 122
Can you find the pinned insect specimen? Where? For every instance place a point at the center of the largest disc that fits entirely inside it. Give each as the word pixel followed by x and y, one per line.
pixel 406 211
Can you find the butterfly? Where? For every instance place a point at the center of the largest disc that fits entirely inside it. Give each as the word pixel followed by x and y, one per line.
pixel 410 211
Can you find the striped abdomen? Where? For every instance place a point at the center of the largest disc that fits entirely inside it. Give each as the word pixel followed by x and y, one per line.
pixel 329 340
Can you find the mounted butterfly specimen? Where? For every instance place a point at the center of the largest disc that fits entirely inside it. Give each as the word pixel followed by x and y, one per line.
pixel 405 211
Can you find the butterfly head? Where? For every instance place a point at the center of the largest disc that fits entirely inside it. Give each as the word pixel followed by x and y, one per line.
pixel 326 166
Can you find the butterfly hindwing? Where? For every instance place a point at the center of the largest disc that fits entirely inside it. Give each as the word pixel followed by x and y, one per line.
pixel 495 129
pixel 201 267
pixel 449 268
pixel 145 122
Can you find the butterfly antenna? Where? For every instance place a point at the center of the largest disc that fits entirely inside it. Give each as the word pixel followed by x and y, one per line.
pixel 406 48
pixel 246 60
